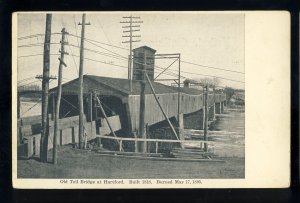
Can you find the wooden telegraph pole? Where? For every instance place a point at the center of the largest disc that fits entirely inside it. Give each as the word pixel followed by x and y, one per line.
pixel 142 106
pixel 214 105
pixel 131 24
pixel 178 98
pixel 80 91
pixel 45 91
pixel 206 117
pixel 56 121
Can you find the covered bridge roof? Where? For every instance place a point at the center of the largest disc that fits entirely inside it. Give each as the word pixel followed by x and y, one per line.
pixel 111 86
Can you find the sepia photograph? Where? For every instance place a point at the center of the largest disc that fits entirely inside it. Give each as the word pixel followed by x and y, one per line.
pixel 107 97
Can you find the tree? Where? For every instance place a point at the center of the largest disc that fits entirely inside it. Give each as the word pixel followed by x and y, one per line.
pixel 229 93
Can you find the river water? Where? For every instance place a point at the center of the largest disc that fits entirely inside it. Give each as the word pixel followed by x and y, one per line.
pixel 231 142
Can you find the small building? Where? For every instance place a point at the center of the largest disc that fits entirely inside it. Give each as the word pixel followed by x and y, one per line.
pixel 139 56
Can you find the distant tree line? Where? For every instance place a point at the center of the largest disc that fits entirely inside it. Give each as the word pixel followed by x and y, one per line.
pixel 30 96
pixel 22 88
pixel 215 82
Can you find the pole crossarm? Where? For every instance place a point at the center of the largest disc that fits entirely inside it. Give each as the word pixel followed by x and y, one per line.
pixel 130 26
pixel 166 79
pixel 51 77
pixel 177 54
pixel 131 31
pixel 131 22
pixel 61 61
pixel 84 23
pixel 131 36
pixel 131 41
pixel 134 17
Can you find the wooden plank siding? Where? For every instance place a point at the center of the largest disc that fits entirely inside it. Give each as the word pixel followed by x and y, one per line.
pixel 189 104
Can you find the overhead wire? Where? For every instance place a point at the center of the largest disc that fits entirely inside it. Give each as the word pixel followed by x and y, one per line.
pixel 35 35
pixel 170 72
pixel 35 44
pixel 26 79
pixel 104 32
pixel 205 66
pixel 101 53
pixel 99 42
pixel 76 67
pixel 23 85
pixel 91 41
pixel 75 30
pixel 25 56
pixel 104 48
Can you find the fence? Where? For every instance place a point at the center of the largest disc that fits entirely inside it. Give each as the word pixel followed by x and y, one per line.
pixel 156 141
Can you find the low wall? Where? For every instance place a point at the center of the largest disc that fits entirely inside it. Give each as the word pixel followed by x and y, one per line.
pixel 68 134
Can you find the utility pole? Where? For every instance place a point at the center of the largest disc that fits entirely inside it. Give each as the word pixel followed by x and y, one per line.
pixel 56 121
pixel 18 105
pixel 80 91
pixel 214 105
pixel 206 117
pixel 45 91
pixel 179 103
pixel 142 106
pixel 131 25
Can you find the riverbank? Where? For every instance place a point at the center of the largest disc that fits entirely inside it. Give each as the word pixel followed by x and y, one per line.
pixel 75 163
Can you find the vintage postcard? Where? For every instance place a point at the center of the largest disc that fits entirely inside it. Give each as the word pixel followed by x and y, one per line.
pixel 151 99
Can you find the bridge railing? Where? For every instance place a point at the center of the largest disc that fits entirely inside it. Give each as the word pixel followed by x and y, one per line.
pixel 156 141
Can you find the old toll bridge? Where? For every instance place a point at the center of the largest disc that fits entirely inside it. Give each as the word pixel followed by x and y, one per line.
pixel 119 112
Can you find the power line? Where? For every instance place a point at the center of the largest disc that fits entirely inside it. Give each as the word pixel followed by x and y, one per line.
pixel 100 42
pixel 32 45
pixel 105 48
pixel 72 56
pixel 27 84
pixel 101 53
pixel 37 55
pixel 91 40
pixel 169 72
pixel 36 35
pixel 90 59
pixel 104 31
pixel 75 30
pixel 212 76
pixel 26 79
pixel 205 66
pixel 116 57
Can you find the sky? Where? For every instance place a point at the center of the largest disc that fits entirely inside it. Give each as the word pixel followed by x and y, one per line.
pixel 210 39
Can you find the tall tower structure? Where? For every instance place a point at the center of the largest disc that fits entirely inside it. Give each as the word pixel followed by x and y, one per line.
pixel 138 62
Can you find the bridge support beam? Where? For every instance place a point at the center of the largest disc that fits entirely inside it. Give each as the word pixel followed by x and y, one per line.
pixel 212 113
pixel 222 107
pixel 181 126
pixel 218 108
pixel 18 106
pixel 202 118
pixel 89 117
pixel 53 106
